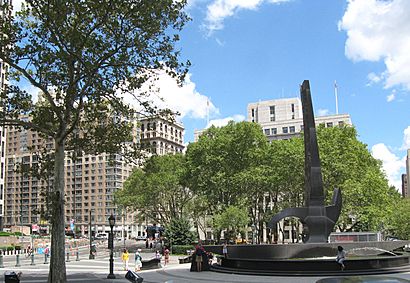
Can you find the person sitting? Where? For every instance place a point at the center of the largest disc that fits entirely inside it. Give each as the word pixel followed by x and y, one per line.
pixel 341 257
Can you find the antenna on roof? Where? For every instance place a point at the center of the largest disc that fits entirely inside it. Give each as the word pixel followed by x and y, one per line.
pixel 337 107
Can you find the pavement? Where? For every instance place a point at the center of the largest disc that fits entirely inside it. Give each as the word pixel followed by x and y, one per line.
pixel 96 270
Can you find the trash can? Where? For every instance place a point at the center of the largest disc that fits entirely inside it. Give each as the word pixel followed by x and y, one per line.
pixel 11 277
pixel 133 277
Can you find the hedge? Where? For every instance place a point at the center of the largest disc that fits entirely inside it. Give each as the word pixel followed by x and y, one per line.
pixel 181 249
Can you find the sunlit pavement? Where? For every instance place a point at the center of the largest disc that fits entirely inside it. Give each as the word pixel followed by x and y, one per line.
pixel 97 270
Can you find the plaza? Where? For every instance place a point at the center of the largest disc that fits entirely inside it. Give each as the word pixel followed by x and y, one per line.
pixel 96 270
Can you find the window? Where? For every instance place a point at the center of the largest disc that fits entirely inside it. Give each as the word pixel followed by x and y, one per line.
pixel 293 107
pixel 285 130
pixel 272 113
pixel 274 131
pixel 341 123
pixel 329 124
pixel 292 129
pixel 267 132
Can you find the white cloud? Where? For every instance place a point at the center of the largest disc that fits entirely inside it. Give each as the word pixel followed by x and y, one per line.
pixel 373 79
pixel 392 164
pixel 406 138
pixel 379 30
pixel 322 112
pixel 391 96
pixel 224 121
pixel 218 10
pixel 185 99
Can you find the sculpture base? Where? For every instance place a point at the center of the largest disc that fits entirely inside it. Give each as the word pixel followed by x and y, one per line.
pixel 313 259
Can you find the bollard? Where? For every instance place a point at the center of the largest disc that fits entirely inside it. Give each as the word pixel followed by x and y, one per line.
pixel 1 259
pixel 68 257
pixel 32 259
pixel 45 258
pixel 78 256
pixel 18 260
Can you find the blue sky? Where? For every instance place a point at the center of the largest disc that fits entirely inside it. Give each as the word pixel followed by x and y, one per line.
pixel 244 51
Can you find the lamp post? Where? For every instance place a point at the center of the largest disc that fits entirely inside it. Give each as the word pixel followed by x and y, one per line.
pixel 91 239
pixel 111 221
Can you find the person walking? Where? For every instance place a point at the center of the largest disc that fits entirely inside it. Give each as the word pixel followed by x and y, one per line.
pixel 341 257
pixel 125 258
pixel 138 260
pixel 166 256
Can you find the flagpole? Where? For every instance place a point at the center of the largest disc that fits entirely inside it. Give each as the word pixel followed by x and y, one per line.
pixel 337 107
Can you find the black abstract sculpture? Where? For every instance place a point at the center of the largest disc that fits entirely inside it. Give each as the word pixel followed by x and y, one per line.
pixel 318 220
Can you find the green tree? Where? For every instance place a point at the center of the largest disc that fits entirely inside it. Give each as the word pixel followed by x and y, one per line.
pixel 157 189
pixel 398 221
pixel 81 55
pixel 347 164
pixel 215 160
pixel 178 232
pixel 233 220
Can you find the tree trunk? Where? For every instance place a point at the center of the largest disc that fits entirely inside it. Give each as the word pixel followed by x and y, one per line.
pixel 57 273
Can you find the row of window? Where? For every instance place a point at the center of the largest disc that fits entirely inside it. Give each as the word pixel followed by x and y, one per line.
pixel 292 129
pixel 162 127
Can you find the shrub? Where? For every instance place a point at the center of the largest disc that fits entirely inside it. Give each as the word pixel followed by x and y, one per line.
pixel 181 249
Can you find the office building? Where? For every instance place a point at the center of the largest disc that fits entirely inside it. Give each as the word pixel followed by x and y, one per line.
pixel 404 186
pixel 90 184
pixel 162 136
pixel 283 118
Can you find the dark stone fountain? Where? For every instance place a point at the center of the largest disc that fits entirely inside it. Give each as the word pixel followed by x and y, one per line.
pixel 315 256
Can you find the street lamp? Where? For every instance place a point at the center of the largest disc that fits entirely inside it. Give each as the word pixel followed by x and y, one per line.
pixel 111 221
pixel 91 240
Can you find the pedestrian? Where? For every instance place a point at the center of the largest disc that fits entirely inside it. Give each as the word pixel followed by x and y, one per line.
pixel 158 255
pixel 125 258
pixel 47 251
pixel 225 250
pixel 166 256
pixel 138 260
pixel 199 252
pixel 341 256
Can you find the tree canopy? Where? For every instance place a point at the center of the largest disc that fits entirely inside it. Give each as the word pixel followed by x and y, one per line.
pixel 157 189
pixel 83 56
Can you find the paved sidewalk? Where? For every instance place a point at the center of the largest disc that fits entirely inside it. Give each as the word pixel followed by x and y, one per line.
pixel 88 271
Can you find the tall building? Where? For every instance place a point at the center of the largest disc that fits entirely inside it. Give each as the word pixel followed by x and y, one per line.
pixel 90 180
pixel 283 118
pixel 3 77
pixel 90 184
pixel 404 186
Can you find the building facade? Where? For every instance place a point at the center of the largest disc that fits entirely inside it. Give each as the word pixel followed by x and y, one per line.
pixel 90 184
pixel 162 136
pixel 404 186
pixel 283 118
